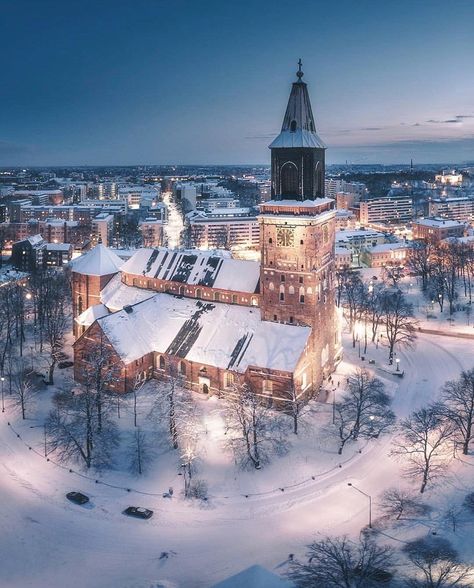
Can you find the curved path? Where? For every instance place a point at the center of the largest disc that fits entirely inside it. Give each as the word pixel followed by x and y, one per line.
pixel 47 542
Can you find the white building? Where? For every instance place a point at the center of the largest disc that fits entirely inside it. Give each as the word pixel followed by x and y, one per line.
pixel 102 228
pixel 388 209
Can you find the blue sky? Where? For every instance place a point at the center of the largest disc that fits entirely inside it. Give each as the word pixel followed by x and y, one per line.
pixel 188 81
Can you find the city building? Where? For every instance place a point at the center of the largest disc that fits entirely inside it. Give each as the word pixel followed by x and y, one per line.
pixel 395 209
pixel 450 178
pixel 103 228
pixel 27 255
pixel 455 208
pixel 226 228
pixel 437 229
pixel 385 254
pixel 217 321
pixel 152 232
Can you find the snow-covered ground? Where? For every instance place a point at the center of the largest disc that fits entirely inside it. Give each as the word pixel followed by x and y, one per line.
pixel 175 225
pixel 48 542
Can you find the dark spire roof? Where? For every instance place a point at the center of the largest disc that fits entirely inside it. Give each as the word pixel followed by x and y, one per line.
pixel 298 128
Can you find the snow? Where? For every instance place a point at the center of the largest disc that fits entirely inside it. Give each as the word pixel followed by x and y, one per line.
pixel 313 203
pixel 195 267
pixel 254 577
pixel 99 261
pixel 116 294
pixel 298 138
pixel 439 223
pixel 166 323
pixel 49 543
pixel 90 315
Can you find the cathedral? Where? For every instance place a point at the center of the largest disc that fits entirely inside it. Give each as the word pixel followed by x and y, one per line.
pixel 215 321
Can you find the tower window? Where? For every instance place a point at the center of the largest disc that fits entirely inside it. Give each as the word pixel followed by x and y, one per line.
pixel 270 240
pixel 293 126
pixel 282 278
pixel 301 279
pixel 282 293
pixel 289 179
pixel 301 294
pixel 301 242
pixel 275 317
pixel 291 290
pixel 291 320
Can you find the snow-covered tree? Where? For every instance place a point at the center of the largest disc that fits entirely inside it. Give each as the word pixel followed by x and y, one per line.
pixel 23 388
pixel 458 407
pixel 341 563
pixel 425 444
pixel 73 432
pixel 400 326
pixel 363 410
pixel 140 452
pixel 435 564
pixel 401 504
pixel 255 431
pixel 55 317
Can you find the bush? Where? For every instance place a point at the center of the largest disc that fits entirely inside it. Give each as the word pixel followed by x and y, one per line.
pixel 198 490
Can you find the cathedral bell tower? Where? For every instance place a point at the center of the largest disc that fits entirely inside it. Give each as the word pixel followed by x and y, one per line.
pixel 297 235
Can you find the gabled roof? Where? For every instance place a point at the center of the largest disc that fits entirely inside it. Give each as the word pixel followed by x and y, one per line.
pixel 298 128
pixel 91 314
pixel 217 334
pixel 99 261
pixel 201 268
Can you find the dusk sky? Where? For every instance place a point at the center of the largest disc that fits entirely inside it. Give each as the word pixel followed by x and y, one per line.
pixel 198 82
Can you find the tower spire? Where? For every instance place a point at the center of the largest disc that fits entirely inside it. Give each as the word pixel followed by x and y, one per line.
pixel 299 73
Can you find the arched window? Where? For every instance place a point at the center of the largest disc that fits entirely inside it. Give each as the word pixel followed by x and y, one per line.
pixel 234 299
pixel 253 301
pixel 289 179
pixel 309 291
pixel 181 290
pixel 301 294
pixel 293 126
pixel 271 286
pixel 291 290
pixel 182 368
pixel 79 305
pixel 282 292
pixel 216 296
pixel 162 363
pixel 318 188
pixel 198 293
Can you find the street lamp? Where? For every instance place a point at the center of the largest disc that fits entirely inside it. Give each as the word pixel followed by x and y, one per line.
pixel 397 361
pixel 370 501
pixel 3 398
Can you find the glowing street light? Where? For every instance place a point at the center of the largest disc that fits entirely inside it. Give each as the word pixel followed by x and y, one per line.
pixel 370 501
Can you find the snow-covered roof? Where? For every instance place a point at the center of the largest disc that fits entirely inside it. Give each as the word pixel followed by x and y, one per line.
pixel 298 138
pixel 317 202
pixel 202 268
pixel 255 577
pixel 92 314
pixel 99 261
pixel 222 335
pixel 58 246
pixel 116 294
pixel 35 240
pixel 439 223
pixel 387 247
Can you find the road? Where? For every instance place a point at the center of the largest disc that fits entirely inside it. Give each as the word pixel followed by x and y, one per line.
pixel 46 542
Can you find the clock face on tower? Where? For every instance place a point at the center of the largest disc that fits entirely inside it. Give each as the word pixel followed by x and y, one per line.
pixel 285 237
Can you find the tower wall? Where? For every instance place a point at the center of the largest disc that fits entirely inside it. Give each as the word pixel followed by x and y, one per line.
pixel 86 292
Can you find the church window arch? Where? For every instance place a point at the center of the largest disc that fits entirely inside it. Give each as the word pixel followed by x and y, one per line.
pixel 301 294
pixel 271 286
pixel 282 293
pixel 181 290
pixel 289 179
pixel 162 363
pixel 293 126
pixel 291 290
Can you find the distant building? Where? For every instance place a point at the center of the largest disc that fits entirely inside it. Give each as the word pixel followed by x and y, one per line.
pixel 386 254
pixel 152 232
pixel 225 228
pixel 450 178
pixel 27 255
pixel 455 208
pixel 389 209
pixel 103 228
pixel 57 254
pixel 437 229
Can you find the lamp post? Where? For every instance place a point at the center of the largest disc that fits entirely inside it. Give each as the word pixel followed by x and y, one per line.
pixel 397 361
pixel 3 397
pixel 370 501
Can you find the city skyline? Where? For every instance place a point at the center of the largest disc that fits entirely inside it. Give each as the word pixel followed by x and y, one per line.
pixel 150 83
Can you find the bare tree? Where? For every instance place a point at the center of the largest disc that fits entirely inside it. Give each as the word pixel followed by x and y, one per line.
pixel 341 563
pixel 55 318
pixel 296 405
pixel 435 564
pixel 23 388
pixel 423 441
pixel 401 504
pixel 458 407
pixel 363 410
pixel 400 326
pixel 255 432
pixel 140 452
pixel 419 261
pixel 72 430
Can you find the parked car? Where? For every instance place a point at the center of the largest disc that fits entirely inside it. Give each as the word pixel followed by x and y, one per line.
pixel 77 497
pixel 139 512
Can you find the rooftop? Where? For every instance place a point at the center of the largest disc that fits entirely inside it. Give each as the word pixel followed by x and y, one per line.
pixel 222 335
pixel 99 261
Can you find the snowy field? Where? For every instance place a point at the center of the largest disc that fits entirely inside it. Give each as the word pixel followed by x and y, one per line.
pixel 250 517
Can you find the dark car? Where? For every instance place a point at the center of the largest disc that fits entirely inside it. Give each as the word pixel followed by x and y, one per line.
pixel 139 512
pixel 77 497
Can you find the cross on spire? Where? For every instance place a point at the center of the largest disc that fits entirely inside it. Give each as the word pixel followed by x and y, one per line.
pixel 299 73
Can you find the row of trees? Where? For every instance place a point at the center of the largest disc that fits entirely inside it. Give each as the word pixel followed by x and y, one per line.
pixel 444 268
pixel 381 308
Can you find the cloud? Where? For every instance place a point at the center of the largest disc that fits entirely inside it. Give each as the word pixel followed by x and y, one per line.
pixel 371 128
pixel 458 118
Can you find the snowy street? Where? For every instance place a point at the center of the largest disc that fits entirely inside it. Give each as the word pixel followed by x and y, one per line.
pixel 60 544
